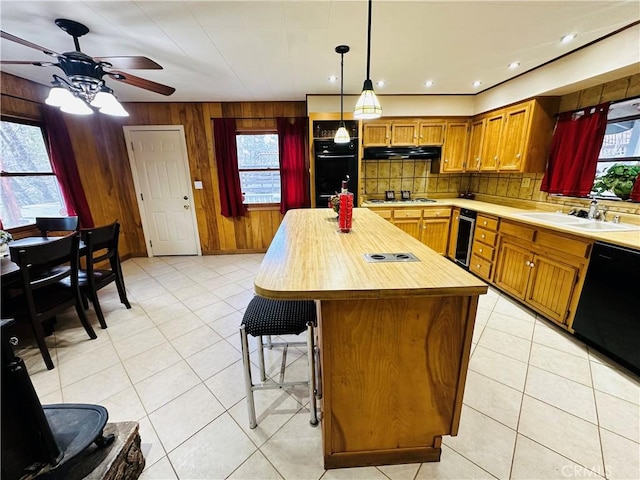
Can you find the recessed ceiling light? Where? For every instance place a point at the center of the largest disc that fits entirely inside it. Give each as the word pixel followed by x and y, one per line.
pixel 568 38
pixel 514 65
pixel 477 83
pixel 428 83
pixel 333 78
pixel 380 83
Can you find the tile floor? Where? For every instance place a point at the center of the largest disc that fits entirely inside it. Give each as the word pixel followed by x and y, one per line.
pixel 537 404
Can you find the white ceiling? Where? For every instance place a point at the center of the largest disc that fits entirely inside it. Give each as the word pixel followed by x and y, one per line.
pixel 283 50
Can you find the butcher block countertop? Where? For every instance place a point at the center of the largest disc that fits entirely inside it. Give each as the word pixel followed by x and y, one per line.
pixel 629 238
pixel 309 259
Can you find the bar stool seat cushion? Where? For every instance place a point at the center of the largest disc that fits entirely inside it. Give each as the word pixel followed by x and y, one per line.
pixel 265 316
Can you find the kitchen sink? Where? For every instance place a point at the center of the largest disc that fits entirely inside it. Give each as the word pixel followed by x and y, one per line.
pixel 569 221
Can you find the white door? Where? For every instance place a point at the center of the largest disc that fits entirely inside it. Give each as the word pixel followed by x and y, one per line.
pixel 160 169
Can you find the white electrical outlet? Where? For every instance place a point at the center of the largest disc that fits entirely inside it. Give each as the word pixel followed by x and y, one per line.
pixel 526 181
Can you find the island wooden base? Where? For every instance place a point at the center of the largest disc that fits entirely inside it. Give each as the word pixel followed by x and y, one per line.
pixel 393 375
pixel 383 457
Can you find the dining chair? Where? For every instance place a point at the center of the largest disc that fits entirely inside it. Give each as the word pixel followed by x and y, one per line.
pixel 268 317
pixel 56 224
pixel 102 266
pixel 49 286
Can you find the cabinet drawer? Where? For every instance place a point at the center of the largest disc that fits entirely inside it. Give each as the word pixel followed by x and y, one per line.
pixel 486 236
pixel 518 230
pixel 436 212
pixel 383 213
pixel 571 246
pixel 484 251
pixel 407 213
pixel 489 223
pixel 480 266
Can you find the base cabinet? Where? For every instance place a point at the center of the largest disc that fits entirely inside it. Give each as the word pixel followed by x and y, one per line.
pixel 545 271
pixel 435 229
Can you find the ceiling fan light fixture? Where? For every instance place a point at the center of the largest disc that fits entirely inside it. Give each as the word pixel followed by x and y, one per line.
pixel 76 106
pixel 368 106
pixel 59 96
pixel 115 110
pixel 103 99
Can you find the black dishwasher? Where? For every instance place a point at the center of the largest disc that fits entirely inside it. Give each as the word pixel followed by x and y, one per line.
pixel 608 313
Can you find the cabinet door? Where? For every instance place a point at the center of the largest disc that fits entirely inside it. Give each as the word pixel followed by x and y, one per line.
pixel 376 134
pixel 410 226
pixel 431 133
pixel 514 138
pixel 453 234
pixel 551 287
pixel 512 269
pixel 454 152
pixel 475 146
pixel 435 234
pixel 491 143
pixel 404 133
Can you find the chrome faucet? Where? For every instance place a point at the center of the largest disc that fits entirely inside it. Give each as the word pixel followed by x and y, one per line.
pixel 593 210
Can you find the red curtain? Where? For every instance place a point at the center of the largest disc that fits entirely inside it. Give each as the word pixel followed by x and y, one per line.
pixel 224 136
pixel 635 191
pixel 65 167
pixel 294 177
pixel 574 152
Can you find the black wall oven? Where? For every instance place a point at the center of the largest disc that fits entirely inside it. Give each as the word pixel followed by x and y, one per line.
pixel 333 162
pixel 466 227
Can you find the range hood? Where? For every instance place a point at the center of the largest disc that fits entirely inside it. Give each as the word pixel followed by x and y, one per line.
pixel 413 153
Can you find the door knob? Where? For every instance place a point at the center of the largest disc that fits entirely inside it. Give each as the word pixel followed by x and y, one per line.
pixel 186 207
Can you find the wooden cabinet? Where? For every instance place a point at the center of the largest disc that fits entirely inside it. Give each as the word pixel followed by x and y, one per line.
pixel 491 142
pixel 542 268
pixel 514 138
pixel 453 233
pixel 476 132
pixel 404 134
pixel 485 239
pixel 454 150
pixel 431 132
pixel 408 220
pixel 435 228
pixel 376 134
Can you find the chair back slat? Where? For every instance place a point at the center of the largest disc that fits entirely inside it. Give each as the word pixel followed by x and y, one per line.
pixel 56 224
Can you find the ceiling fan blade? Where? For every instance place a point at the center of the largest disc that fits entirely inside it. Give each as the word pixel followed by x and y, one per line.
pixel 13 38
pixel 134 63
pixel 141 82
pixel 27 62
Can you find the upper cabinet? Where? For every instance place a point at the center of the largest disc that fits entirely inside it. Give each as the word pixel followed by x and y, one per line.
pixel 513 139
pixel 403 132
pixel 454 150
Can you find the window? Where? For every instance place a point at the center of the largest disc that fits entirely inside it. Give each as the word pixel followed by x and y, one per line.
pixel 621 144
pixel 259 167
pixel 29 186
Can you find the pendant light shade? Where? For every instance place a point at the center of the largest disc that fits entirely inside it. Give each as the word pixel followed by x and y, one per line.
pixel 368 106
pixel 342 135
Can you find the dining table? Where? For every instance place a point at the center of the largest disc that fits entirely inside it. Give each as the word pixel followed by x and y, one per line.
pixel 9 270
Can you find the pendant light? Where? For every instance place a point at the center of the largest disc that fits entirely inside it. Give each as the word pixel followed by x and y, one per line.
pixel 342 135
pixel 368 105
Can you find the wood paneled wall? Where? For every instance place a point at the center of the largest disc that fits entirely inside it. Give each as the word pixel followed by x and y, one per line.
pixel 103 163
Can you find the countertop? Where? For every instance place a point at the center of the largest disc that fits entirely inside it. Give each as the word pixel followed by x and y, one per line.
pixel 629 239
pixel 309 259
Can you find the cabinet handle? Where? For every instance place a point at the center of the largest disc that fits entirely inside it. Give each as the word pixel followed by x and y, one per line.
pixel 480 250
pixel 484 223
pixel 527 263
pixel 482 236
pixel 532 264
pixel 446 161
pixel 517 155
pixel 478 265
pixel 495 158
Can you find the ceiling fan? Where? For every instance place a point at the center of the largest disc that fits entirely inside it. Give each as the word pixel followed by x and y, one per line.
pixel 84 74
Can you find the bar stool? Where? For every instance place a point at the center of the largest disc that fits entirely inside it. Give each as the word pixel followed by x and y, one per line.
pixel 266 317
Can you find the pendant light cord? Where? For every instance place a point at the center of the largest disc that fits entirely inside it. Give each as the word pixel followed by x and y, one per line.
pixel 341 85
pixel 369 41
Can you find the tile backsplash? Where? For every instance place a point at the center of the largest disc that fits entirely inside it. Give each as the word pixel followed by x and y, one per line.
pixel 517 189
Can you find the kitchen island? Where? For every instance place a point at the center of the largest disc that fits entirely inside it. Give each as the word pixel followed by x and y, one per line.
pixel 394 337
